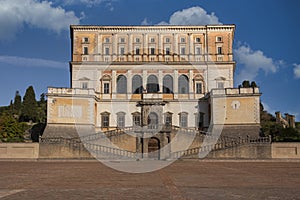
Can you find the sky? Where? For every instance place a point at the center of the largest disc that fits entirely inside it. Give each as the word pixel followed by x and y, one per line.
pixel 35 40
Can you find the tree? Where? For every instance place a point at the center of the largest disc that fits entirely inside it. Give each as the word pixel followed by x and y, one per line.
pixel 42 98
pixel 29 107
pixel 17 106
pixel 37 131
pixel 10 129
pixel 253 84
pixel 246 84
pixel 42 109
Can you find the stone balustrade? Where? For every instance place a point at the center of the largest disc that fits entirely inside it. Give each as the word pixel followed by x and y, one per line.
pixel 235 91
pixel 70 91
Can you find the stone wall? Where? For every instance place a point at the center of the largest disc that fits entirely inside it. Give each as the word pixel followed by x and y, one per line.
pixel 249 151
pixel 19 150
pixel 241 130
pixel 289 150
pixel 63 151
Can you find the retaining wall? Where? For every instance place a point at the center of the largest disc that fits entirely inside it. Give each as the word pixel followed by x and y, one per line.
pixel 19 150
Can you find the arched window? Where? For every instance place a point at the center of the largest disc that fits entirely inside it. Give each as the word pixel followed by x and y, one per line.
pixel 137 84
pixel 121 84
pixel 152 84
pixel 183 84
pixel 168 84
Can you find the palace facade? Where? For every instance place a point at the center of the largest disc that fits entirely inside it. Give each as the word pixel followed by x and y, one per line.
pixel 152 76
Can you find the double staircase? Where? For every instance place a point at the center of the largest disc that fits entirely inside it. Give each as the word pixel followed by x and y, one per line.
pixel 100 145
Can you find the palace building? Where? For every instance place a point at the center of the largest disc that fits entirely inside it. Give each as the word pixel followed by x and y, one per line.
pixel 152 76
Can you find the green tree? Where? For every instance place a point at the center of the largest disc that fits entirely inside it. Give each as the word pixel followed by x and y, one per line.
pixel 37 131
pixel 253 84
pixel 246 84
pixel 30 106
pixel 17 106
pixel 42 109
pixel 10 129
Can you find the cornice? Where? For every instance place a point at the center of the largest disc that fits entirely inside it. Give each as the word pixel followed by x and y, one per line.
pixel 167 28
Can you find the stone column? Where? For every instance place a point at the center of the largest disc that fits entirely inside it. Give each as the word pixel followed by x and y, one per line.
pixel 176 46
pixel 144 79
pixel 191 49
pixel 98 81
pixel 129 46
pixel 100 47
pixel 113 84
pixel 175 84
pixel 114 47
pixel 191 88
pixel 129 84
pixel 160 81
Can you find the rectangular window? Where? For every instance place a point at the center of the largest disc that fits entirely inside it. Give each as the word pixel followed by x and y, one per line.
pixel 152 51
pixel 183 120
pixel 152 40
pixel 182 40
pixel 198 40
pixel 198 88
pixel 106 51
pixel 137 51
pixel 122 40
pixel 182 51
pixel 167 51
pixel 137 40
pixel 105 121
pixel 168 120
pixel 136 120
pixel 220 85
pixel 198 51
pixel 122 51
pixel 167 40
pixel 106 88
pixel 121 121
pixel 84 85
pixel 106 40
pixel 85 50
pixel 219 50
pixel 219 39
pixel 86 40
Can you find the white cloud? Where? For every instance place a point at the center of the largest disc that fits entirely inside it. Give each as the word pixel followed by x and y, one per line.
pixel 192 16
pixel 32 62
pixel 253 62
pixel 145 22
pixel 15 13
pixel 296 70
pixel 88 3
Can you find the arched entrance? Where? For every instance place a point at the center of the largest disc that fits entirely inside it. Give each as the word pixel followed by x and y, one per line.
pixel 153 148
pixel 152 121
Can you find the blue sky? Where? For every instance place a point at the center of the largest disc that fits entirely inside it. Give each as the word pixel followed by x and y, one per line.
pixel 35 41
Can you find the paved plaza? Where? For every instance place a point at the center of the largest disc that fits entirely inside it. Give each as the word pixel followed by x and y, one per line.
pixel 188 179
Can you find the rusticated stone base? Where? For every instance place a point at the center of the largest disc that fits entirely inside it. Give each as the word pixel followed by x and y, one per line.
pixel 67 131
pixel 241 130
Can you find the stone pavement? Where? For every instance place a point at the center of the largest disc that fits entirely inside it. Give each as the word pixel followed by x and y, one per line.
pixel 188 179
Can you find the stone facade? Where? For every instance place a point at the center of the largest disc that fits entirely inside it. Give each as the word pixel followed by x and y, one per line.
pixel 286 122
pixel 148 76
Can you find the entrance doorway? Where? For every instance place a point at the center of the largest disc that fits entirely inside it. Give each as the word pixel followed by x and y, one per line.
pixel 153 148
